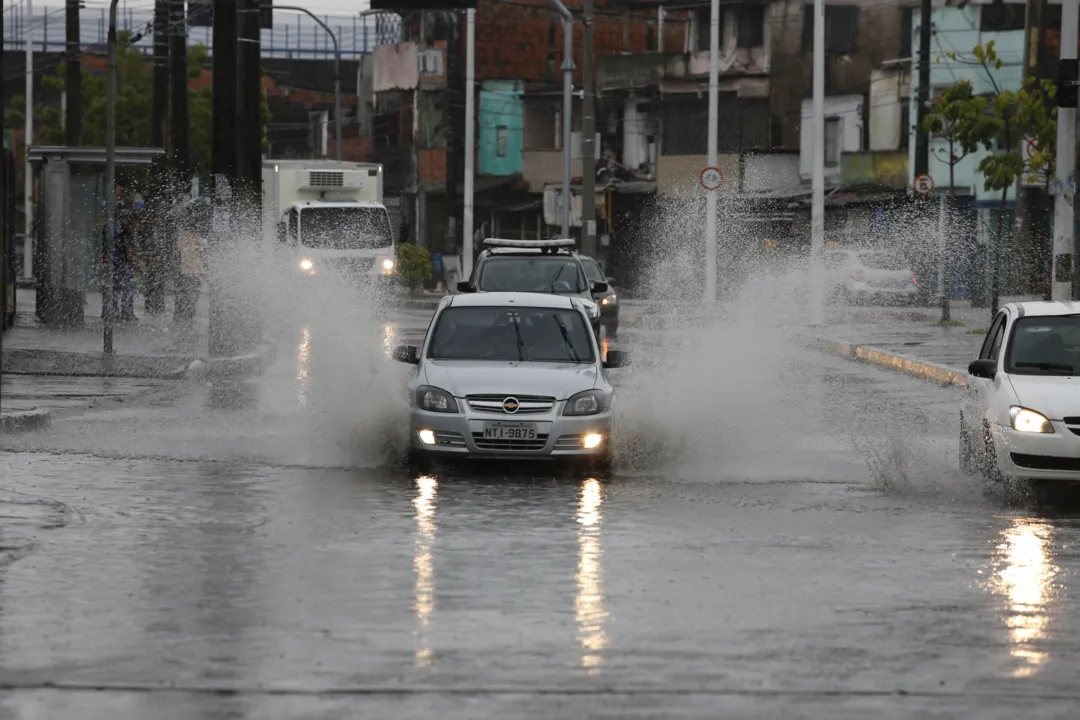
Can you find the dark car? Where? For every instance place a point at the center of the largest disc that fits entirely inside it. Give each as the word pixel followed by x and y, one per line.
pixel 541 266
pixel 607 300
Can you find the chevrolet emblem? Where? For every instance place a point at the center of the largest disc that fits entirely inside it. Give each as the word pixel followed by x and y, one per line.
pixel 511 405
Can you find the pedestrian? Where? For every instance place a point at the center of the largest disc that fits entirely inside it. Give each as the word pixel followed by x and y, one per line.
pixel 123 262
pixel 190 243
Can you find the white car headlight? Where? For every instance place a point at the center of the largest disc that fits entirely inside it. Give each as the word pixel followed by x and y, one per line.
pixel 589 402
pixel 1024 420
pixel 306 265
pixel 433 399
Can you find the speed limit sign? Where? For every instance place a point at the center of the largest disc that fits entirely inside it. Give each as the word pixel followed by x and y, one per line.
pixel 924 184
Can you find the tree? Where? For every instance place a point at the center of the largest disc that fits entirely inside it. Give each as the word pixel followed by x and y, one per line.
pixel 958 117
pixel 133 106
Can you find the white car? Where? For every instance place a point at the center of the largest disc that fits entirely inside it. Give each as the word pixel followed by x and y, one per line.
pixel 873 277
pixel 1021 411
pixel 510 375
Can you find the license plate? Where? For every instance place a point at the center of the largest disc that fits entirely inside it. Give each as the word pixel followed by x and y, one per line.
pixel 509 431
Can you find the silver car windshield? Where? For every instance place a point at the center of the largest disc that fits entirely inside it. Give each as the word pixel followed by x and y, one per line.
pixel 504 333
pixel 545 274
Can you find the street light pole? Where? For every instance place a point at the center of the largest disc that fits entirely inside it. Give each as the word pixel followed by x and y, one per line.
pixel 470 139
pixel 110 183
pixel 714 110
pixel 568 100
pixel 337 67
pixel 817 187
pixel 28 140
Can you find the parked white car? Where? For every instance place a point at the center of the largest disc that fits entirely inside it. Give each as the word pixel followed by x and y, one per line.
pixel 1020 416
pixel 870 277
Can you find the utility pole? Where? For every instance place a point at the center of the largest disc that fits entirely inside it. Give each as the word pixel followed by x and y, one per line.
pixel 470 140
pixel 73 81
pixel 1065 285
pixel 249 106
pixel 568 105
pixel 588 138
pixel 714 111
pixel 817 186
pixel 28 141
pixel 454 130
pixel 1031 215
pixel 180 125
pixel 109 314
pixel 922 138
pixel 160 196
pixel 225 336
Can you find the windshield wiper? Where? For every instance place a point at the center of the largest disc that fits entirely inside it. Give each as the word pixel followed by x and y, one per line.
pixel 566 339
pixel 556 279
pixel 520 342
pixel 1045 366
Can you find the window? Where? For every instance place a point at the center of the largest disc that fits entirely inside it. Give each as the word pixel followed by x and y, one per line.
pixel 882 261
pixel 1001 17
pixel 529 334
pixel 345 228
pixel 544 274
pixel 500 141
pixel 1044 346
pixel 841 28
pixel 701 19
pixel 832 142
pixel 751 26
pixel 992 343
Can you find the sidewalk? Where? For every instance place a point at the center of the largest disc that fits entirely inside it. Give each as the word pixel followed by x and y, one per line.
pixel 908 342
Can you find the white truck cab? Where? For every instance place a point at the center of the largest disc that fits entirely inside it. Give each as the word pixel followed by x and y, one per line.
pixel 328 217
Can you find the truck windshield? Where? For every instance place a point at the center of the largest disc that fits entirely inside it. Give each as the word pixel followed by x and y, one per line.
pixel 345 228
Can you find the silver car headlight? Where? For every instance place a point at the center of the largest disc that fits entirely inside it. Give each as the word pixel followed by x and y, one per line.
pixel 1029 421
pixel 434 399
pixel 612 299
pixel 589 402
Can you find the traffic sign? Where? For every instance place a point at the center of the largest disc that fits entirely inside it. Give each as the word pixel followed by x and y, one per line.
pixel 1031 147
pixel 924 184
pixel 711 178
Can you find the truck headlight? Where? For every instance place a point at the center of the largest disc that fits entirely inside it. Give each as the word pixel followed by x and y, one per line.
pixel 387 265
pixel 306 265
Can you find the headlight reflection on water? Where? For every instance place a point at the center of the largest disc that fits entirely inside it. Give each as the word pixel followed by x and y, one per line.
pixel 1024 576
pixel 303 368
pixel 424 566
pixel 589 606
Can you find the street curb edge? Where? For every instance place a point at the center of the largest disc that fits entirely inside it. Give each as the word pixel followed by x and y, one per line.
pixel 893 361
pixel 25 421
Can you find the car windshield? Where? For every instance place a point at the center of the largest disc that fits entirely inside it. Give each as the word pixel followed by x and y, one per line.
pixel 592 270
pixel 882 261
pixel 511 333
pixel 545 274
pixel 345 228
pixel 1044 346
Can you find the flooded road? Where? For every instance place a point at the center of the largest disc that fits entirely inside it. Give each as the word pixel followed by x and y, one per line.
pixel 184 556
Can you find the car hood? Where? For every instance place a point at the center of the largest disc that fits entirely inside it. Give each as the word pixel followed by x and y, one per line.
pixel 1054 396
pixel 471 377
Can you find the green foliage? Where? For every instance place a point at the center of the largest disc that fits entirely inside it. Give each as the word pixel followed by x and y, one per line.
pixel 133 106
pixel 413 263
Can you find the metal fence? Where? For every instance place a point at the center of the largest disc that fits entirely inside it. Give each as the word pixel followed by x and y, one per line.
pixel 294 36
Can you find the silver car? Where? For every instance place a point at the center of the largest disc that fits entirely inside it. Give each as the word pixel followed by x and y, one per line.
pixel 505 375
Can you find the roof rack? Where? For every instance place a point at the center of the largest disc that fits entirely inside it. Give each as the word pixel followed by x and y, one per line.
pixel 557 243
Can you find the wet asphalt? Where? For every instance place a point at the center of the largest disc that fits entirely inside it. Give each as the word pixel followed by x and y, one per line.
pixel 800 546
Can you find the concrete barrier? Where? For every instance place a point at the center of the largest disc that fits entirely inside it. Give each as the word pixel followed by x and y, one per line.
pixel 894 361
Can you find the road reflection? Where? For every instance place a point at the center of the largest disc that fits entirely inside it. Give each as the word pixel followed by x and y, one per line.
pixel 589 602
pixel 1024 576
pixel 388 341
pixel 424 567
pixel 303 368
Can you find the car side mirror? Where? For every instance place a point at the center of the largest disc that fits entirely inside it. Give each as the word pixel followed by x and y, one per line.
pixel 617 359
pixel 406 354
pixel 983 369
pixel 465 286
pixel 599 288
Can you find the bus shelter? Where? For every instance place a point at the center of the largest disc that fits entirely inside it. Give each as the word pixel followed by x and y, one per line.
pixel 68 212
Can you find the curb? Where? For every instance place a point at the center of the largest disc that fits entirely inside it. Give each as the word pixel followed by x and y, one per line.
pixel 25 421
pixel 241 367
pixel 909 366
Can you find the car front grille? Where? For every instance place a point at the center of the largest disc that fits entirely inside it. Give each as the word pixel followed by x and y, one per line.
pixel 483 443
pixel 527 404
pixel 353 266
pixel 1046 462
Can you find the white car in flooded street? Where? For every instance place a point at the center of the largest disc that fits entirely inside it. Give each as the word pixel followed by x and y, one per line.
pixel 507 375
pixel 1021 411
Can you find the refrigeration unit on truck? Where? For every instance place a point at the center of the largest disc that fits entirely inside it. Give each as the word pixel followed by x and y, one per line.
pixel 328 217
